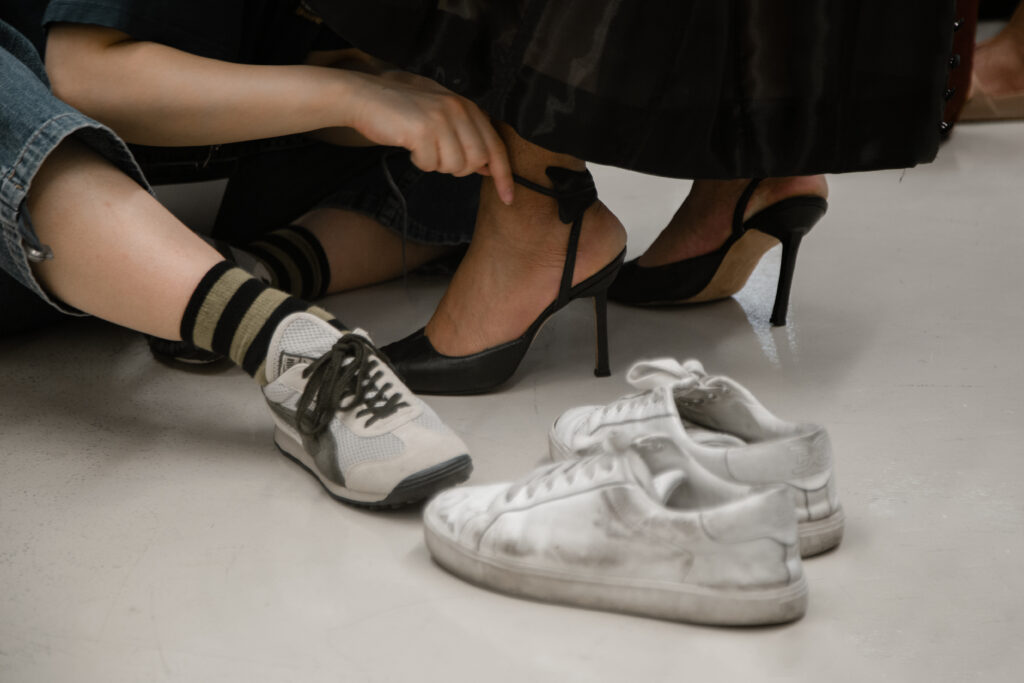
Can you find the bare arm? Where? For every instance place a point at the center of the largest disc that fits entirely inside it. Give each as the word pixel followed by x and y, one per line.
pixel 156 95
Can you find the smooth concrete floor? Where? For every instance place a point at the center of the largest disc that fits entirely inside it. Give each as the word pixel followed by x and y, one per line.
pixel 150 531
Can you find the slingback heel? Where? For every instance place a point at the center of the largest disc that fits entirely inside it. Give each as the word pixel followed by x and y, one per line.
pixel 601 366
pixel 723 272
pixel 427 371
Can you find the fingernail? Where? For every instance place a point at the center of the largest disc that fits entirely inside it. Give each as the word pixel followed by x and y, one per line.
pixel 507 196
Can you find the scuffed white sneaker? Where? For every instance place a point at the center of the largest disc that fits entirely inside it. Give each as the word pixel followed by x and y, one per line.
pixel 722 425
pixel 342 413
pixel 647 531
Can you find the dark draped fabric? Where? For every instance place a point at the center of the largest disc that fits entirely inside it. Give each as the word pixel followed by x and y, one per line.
pixel 684 88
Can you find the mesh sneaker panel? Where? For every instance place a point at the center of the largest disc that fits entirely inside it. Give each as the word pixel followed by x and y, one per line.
pixel 353 450
pixel 277 393
pixel 429 420
pixel 307 337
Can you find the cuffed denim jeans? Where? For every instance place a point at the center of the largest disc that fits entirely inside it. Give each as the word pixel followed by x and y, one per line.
pixel 32 124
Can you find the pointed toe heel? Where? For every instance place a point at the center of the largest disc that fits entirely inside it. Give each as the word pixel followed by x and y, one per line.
pixel 427 371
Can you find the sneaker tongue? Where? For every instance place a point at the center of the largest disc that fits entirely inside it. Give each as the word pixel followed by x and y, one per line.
pixel 299 338
pixel 660 486
pixel 709 437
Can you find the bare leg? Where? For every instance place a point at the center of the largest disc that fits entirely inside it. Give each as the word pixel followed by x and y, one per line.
pixel 118 254
pixel 999 62
pixel 512 270
pixel 704 221
pixel 361 251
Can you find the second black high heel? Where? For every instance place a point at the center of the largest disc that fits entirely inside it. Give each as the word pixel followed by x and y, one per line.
pixel 427 371
pixel 723 272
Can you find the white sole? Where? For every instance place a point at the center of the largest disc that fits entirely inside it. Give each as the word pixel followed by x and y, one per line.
pixel 820 535
pixel 816 536
pixel 661 600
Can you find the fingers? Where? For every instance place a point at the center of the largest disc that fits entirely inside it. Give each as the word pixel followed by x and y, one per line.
pixel 454 136
pixel 498 166
pixel 438 146
pixel 472 141
pixel 477 148
pixel 425 153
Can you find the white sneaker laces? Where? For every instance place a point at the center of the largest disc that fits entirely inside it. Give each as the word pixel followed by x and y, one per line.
pixel 705 390
pixel 693 388
pixel 564 473
pixel 634 404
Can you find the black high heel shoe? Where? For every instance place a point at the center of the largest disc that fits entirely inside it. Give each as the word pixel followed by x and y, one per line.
pixel 723 272
pixel 427 371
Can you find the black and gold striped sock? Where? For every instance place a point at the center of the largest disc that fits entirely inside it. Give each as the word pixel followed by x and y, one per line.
pixel 234 314
pixel 295 259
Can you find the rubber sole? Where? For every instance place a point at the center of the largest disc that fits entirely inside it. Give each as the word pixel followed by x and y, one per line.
pixel 821 535
pixel 413 489
pixel 816 537
pixel 658 599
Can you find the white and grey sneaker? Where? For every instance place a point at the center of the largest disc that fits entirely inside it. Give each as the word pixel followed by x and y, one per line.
pixel 721 424
pixel 342 413
pixel 647 531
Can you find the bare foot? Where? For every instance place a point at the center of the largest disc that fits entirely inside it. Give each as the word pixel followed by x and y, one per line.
pixel 513 268
pixel 704 221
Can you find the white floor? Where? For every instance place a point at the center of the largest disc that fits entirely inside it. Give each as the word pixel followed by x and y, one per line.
pixel 150 531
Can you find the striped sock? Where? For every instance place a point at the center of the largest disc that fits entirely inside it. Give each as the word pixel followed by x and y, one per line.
pixel 295 259
pixel 235 314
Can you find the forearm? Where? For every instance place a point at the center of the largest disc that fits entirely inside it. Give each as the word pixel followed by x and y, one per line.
pixel 156 95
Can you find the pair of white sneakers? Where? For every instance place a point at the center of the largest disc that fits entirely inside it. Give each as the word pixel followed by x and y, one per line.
pixel 687 501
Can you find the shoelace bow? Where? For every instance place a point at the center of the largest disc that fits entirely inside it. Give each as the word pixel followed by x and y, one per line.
pixel 348 371
pixel 568 471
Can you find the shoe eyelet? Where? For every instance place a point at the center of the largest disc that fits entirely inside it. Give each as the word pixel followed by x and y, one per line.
pixel 949 93
pixel 958 24
pixel 954 61
pixel 945 127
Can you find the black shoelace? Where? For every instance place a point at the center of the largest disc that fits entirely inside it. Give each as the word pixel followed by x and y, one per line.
pixel 345 378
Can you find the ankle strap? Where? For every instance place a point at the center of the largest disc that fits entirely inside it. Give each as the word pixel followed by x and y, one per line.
pixel 575 193
pixel 573 190
pixel 741 206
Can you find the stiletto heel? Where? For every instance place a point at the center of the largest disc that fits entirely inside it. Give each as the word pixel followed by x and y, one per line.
pixel 427 371
pixel 601 365
pixel 723 272
pixel 790 245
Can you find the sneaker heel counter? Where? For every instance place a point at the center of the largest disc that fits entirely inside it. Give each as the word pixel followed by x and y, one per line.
pixel 794 562
pixel 768 513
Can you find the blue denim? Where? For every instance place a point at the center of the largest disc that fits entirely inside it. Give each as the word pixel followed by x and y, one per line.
pixel 272 182
pixel 32 124
pixel 434 208
pixel 280 179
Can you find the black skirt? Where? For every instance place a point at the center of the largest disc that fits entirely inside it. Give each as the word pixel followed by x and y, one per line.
pixel 684 88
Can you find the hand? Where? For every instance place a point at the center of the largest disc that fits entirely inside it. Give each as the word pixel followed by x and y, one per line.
pixel 444 132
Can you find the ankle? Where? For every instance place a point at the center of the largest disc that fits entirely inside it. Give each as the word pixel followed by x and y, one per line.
pixel 531 228
pixel 774 190
pixel 704 221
